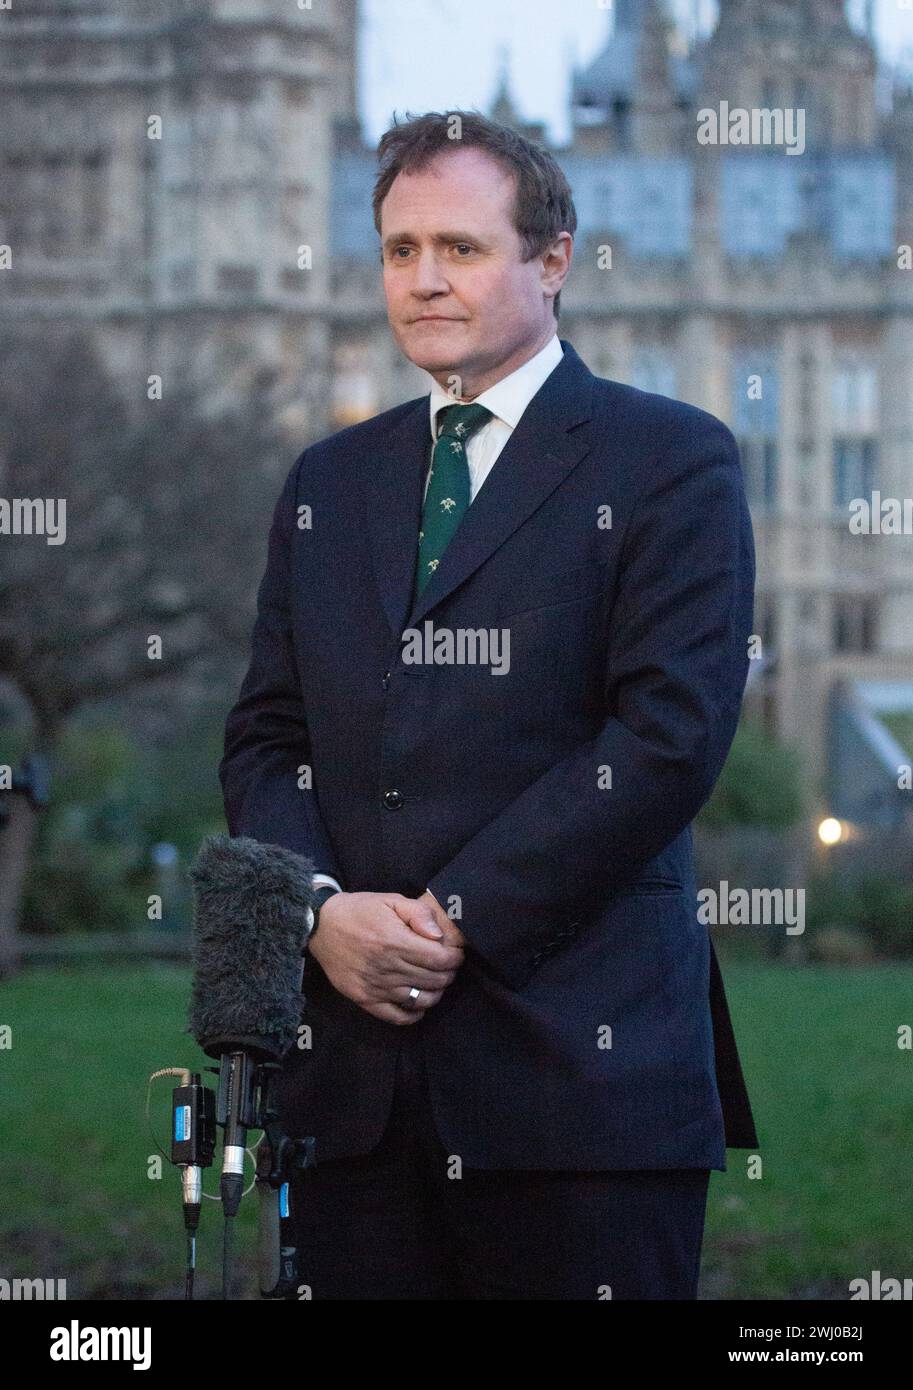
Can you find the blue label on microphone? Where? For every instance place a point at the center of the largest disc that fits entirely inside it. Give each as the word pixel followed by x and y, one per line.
pixel 283 1199
pixel 182 1123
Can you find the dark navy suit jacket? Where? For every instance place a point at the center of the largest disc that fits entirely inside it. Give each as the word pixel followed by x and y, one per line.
pixel 547 807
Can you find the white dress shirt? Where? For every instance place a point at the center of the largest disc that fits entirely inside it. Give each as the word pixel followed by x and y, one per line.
pixel 506 400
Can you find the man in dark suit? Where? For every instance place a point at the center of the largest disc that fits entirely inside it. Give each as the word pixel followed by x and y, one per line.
pixel 498 662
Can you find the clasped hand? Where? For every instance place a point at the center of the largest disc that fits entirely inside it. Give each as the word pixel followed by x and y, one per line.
pixel 376 947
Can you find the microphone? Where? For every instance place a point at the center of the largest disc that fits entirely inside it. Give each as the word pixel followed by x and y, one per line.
pixel 250 930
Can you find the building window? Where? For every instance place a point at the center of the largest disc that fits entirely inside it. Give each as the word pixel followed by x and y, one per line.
pixel 94 197
pixel 621 111
pixel 756 414
pixel 808 638
pixel 294 281
pixel 55 204
pixel 854 412
pixel 238 279
pixel 854 469
pixel 854 396
pixel 855 623
pixel 759 470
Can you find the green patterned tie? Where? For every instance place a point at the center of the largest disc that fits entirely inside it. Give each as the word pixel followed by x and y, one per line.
pixel 448 491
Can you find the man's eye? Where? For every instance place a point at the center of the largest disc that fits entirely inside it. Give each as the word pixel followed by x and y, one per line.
pixel 464 245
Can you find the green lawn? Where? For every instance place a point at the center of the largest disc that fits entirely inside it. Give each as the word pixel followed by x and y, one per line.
pixel 833 1099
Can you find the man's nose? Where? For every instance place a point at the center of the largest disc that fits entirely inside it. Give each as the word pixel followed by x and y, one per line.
pixel 429 274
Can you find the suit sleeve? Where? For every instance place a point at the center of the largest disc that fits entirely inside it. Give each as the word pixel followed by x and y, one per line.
pixel 676 662
pixel 266 733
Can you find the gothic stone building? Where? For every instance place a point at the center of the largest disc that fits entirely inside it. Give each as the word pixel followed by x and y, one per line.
pixel 189 178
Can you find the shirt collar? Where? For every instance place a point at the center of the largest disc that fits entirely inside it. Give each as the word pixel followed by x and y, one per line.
pixel 509 397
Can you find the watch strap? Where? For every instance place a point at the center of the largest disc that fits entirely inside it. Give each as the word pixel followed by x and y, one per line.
pixel 320 897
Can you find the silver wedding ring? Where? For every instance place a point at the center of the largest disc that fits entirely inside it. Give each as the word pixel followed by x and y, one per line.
pixel 414 993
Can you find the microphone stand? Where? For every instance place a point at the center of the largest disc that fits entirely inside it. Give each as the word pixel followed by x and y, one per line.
pixel 236 1112
pixel 278 1157
pixel 243 1104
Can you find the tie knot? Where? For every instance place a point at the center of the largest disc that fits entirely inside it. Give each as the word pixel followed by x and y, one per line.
pixel 460 421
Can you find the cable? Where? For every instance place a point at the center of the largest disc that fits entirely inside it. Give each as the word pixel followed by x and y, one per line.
pixel 191 1264
pixel 184 1074
pixel 226 1256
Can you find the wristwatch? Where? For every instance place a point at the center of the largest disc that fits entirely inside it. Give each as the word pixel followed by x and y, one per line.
pixel 313 913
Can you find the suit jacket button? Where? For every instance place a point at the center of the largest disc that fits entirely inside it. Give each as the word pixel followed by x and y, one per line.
pixel 393 800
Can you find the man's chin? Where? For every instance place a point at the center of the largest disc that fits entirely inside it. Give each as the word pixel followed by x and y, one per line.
pixel 420 345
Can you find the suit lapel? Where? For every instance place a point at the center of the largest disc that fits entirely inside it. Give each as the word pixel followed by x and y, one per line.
pixel 537 457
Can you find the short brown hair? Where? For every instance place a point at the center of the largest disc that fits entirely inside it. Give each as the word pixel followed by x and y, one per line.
pixel 543 204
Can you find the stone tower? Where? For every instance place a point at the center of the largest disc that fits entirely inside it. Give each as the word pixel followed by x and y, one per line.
pixel 166 178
